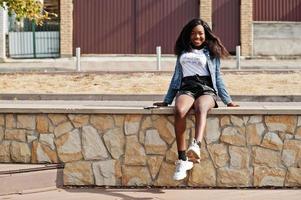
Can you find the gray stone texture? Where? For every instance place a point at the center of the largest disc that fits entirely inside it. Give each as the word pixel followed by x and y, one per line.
pixel 93 146
pixel 115 142
pixel 104 172
pixel 212 130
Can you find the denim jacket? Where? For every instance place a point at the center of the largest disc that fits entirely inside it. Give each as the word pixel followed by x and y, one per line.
pixel 213 65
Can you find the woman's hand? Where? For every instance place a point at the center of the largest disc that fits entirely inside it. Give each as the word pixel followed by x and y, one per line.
pixel 160 104
pixel 232 104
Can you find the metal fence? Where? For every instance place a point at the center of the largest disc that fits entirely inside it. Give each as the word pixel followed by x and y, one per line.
pixel 34 41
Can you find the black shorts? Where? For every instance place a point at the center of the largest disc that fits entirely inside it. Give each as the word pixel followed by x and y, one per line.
pixel 197 86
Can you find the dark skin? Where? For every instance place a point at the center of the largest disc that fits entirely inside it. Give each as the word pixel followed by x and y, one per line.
pixel 197 38
pixel 185 102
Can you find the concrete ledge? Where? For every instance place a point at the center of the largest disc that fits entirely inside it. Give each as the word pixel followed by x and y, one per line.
pixel 23 178
pixel 133 107
pixel 19 183
pixel 165 111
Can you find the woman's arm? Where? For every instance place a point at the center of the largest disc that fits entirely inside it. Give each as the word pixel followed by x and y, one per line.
pixel 171 92
pixel 222 91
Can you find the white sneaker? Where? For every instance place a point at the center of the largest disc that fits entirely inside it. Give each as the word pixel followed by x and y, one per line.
pixel 194 152
pixel 181 168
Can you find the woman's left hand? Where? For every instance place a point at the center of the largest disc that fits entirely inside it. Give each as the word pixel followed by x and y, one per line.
pixel 232 104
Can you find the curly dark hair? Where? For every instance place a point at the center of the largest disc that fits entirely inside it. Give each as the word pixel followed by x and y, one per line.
pixel 214 44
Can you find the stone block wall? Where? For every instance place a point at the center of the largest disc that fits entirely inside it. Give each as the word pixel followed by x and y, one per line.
pixel 206 11
pixel 140 149
pixel 246 28
pixel 66 37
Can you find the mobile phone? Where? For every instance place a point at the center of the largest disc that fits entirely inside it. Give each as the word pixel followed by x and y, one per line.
pixel 150 107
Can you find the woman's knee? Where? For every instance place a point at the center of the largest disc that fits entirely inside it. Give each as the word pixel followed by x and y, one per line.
pixel 180 112
pixel 202 109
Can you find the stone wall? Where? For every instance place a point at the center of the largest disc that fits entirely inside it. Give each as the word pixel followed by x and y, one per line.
pixel 140 149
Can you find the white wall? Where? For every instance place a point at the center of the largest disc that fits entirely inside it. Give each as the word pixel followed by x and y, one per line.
pixel 277 38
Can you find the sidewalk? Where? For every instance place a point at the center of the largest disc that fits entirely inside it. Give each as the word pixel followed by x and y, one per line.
pixel 157 193
pixel 134 63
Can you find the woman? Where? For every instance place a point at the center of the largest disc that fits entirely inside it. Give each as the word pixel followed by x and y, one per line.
pixel 196 82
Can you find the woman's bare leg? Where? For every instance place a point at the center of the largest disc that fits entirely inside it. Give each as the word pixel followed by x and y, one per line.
pixel 202 105
pixel 182 106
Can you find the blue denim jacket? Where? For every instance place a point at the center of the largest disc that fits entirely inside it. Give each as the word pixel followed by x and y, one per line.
pixel 215 73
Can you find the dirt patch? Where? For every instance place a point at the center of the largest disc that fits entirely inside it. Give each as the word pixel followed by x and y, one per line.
pixel 144 83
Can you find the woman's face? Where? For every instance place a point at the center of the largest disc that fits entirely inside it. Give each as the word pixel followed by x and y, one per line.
pixel 197 35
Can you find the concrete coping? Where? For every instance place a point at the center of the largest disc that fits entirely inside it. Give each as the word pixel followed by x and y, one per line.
pixel 135 108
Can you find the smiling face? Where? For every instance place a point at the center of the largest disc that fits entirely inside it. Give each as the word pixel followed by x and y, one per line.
pixel 197 36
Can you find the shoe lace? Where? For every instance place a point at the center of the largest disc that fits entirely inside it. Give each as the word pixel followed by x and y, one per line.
pixel 179 165
pixel 195 143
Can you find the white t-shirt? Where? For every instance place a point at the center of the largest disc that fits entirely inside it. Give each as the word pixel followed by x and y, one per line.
pixel 193 63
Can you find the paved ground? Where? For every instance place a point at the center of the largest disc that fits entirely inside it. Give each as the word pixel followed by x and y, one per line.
pixel 110 103
pixel 156 194
pixel 138 97
pixel 133 63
